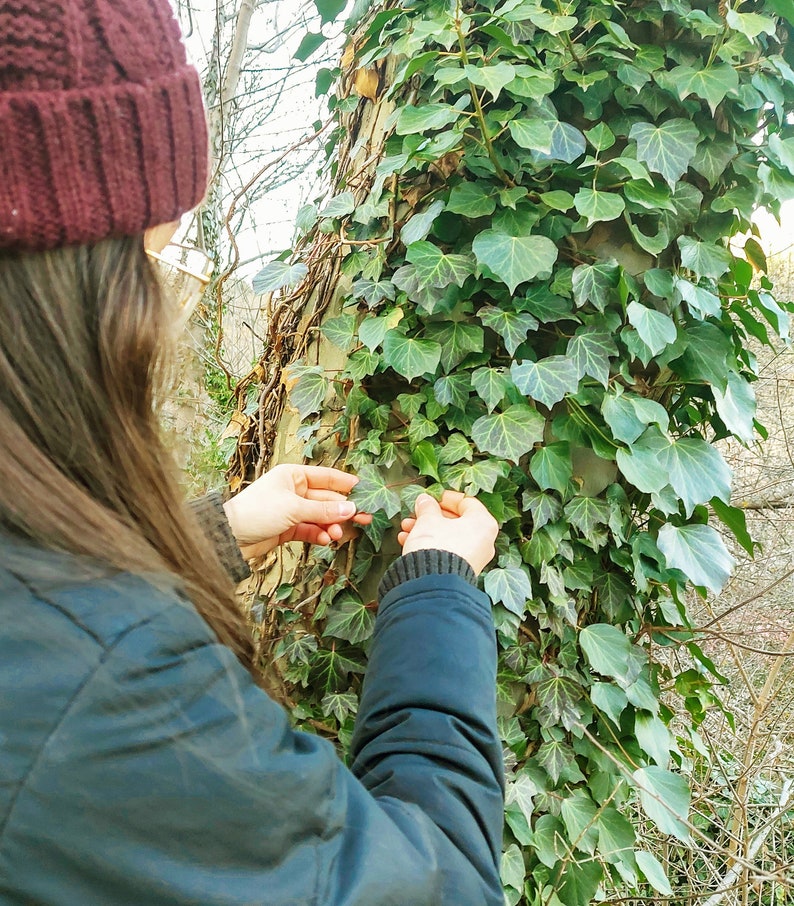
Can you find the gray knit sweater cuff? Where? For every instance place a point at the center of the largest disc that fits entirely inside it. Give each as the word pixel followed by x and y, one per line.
pixel 422 563
pixel 210 513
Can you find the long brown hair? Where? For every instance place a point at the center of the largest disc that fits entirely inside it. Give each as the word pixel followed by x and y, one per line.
pixel 84 351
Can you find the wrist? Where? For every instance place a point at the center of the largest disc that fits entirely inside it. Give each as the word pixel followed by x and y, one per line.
pixel 426 561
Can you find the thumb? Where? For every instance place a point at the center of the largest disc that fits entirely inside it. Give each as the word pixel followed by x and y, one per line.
pixel 323 512
pixel 426 506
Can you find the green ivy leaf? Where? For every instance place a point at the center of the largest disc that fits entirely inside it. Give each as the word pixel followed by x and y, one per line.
pixel 277 275
pixel 514 259
pixel 590 349
pixel 628 415
pixel 551 467
pixel 713 158
pixel 557 200
pixel 437 269
pixel 668 148
pixel 550 842
pixel 453 390
pixel 653 737
pixel 307 386
pixel 609 652
pixel 340 331
pixel 704 258
pixel 492 78
pixel 410 357
pixel 734 518
pixel 547 381
pixel 648 197
pixel 511 587
pixel 656 329
pixel 509 434
pixel 696 471
pixel 424 457
pixel 424 294
pixel 533 134
pixel 711 84
pixel 374 291
pixel 372 331
pixel 340 704
pixel 699 552
pixel 310 42
pixel 306 218
pixel 558 702
pixel 425 118
pixel 472 200
pixel 665 799
pixel 650 866
pixel 706 356
pixel 481 475
pixel 543 507
pixel 578 813
pixel 512 870
pixel 349 619
pixel 457 339
pixel 418 226
pixel 511 326
pixel 491 385
pixel 616 837
pixel 558 759
pixel 339 206
pixel 371 493
pixel 736 406
pixel 596 205
pixel 595 283
pixel 610 699
pixel 329 9
pixel 751 25
pixel 455 449
pixel 705 303
pixel 586 513
pixel 567 144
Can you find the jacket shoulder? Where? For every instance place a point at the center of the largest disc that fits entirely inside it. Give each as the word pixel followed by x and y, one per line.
pixel 98 603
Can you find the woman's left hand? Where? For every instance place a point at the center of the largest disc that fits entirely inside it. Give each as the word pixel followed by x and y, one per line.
pixel 293 503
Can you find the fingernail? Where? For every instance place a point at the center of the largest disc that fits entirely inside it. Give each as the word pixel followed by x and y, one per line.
pixel 347 510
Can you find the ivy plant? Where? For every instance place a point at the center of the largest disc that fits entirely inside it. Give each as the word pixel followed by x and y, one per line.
pixel 554 286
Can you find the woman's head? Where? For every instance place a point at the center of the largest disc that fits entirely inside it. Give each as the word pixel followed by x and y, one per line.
pixel 102 138
pixel 102 128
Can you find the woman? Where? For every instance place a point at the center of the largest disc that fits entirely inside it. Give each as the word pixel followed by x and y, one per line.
pixel 139 761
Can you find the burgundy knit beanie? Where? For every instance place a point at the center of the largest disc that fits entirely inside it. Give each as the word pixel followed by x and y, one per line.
pixel 102 124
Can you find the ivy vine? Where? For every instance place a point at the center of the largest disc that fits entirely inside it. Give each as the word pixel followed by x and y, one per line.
pixel 553 284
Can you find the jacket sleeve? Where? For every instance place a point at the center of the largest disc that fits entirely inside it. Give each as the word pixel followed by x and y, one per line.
pixel 173 779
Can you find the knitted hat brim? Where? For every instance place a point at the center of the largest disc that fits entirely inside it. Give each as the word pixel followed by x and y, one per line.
pixel 77 166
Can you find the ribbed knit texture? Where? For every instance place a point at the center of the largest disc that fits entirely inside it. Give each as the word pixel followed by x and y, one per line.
pixel 102 124
pixel 210 513
pixel 422 563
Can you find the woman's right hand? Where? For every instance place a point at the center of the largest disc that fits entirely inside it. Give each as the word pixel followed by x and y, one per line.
pixel 458 524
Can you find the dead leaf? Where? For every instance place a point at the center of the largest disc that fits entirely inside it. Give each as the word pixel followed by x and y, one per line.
pixel 237 423
pixel 367 82
pixel 348 55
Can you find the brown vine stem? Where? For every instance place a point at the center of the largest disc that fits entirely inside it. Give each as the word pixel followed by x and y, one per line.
pixel 488 142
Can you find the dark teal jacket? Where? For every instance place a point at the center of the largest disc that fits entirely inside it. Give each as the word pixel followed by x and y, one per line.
pixel 140 765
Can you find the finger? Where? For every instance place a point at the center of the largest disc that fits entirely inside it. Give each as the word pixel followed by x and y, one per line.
pixel 407 524
pixel 252 551
pixel 426 506
pixel 363 518
pixel 402 537
pixel 311 534
pixel 330 479
pixel 322 512
pixel 452 501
